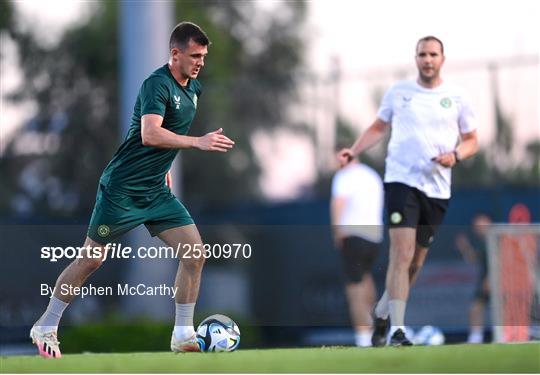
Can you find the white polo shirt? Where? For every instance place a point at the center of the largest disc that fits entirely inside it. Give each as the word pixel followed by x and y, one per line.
pixel 363 191
pixel 425 123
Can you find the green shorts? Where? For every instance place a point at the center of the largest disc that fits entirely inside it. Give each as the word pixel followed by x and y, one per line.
pixel 117 213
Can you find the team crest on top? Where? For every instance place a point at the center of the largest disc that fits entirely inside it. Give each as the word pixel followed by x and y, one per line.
pixel 195 98
pixel 446 103
pixel 177 101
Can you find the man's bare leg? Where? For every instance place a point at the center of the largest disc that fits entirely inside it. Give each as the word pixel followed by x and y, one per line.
pixel 402 249
pixel 476 316
pixel 420 254
pixel 187 282
pixel 361 296
pixel 382 308
pixel 74 275
pixel 44 331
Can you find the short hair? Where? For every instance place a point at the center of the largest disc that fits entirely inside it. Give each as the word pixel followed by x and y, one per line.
pixel 428 39
pixel 186 31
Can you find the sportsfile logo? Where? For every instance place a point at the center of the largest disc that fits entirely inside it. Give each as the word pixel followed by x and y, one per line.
pixel 118 251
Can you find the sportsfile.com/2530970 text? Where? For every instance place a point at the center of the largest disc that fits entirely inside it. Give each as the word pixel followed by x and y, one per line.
pixel 118 251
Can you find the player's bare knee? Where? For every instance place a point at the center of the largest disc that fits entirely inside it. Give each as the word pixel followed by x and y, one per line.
pixel 91 264
pixel 402 256
pixel 193 264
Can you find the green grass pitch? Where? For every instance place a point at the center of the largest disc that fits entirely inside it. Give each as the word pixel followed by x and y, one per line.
pixel 523 358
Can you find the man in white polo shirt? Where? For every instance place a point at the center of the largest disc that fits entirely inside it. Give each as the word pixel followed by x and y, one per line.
pixel 356 211
pixel 433 128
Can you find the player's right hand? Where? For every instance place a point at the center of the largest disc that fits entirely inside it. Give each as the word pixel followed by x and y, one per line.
pixel 345 156
pixel 214 141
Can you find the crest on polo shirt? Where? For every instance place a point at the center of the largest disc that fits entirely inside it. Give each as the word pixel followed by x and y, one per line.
pixel 446 102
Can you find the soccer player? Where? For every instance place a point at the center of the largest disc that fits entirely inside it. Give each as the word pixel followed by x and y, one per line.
pixel 473 248
pixel 356 213
pixel 133 189
pixel 433 128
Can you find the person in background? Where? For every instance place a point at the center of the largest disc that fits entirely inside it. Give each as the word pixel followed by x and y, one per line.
pixel 356 215
pixel 433 127
pixel 473 248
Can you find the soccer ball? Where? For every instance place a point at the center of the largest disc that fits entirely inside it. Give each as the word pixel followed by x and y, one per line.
pixel 429 335
pixel 218 333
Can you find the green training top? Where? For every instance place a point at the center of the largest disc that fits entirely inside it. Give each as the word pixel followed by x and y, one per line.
pixel 138 169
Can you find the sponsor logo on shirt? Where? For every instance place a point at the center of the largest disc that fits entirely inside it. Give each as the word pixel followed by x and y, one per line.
pixel 177 101
pixel 406 101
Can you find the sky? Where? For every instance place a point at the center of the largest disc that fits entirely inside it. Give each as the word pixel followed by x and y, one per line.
pixel 378 36
pixel 370 40
pixel 50 19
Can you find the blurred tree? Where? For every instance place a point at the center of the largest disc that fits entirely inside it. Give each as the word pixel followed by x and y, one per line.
pixel 533 152
pixel 6 17
pixel 248 83
pixel 53 164
pixel 504 137
pixel 475 171
pixel 346 135
pixel 526 173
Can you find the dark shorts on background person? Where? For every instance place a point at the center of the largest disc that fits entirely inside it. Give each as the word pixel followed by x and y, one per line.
pixel 116 213
pixel 481 291
pixel 409 207
pixel 358 256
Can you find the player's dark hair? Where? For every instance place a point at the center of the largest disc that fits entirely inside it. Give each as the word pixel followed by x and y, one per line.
pixel 428 39
pixel 186 31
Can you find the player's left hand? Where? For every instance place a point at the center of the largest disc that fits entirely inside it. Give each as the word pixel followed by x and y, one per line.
pixel 214 141
pixel 447 159
pixel 168 179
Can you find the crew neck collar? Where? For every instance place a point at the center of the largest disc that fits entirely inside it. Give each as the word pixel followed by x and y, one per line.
pixel 430 89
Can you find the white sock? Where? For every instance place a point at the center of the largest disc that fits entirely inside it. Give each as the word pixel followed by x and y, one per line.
pixel 183 322
pixel 362 339
pixel 394 328
pixel 397 314
pixel 381 309
pixel 476 335
pixel 50 319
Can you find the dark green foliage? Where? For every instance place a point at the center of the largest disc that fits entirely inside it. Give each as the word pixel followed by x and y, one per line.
pixel 248 81
pixel 115 337
pixel 6 16
pixel 75 86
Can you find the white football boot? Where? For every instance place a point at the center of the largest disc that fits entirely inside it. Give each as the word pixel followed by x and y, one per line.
pixel 46 342
pixel 188 345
